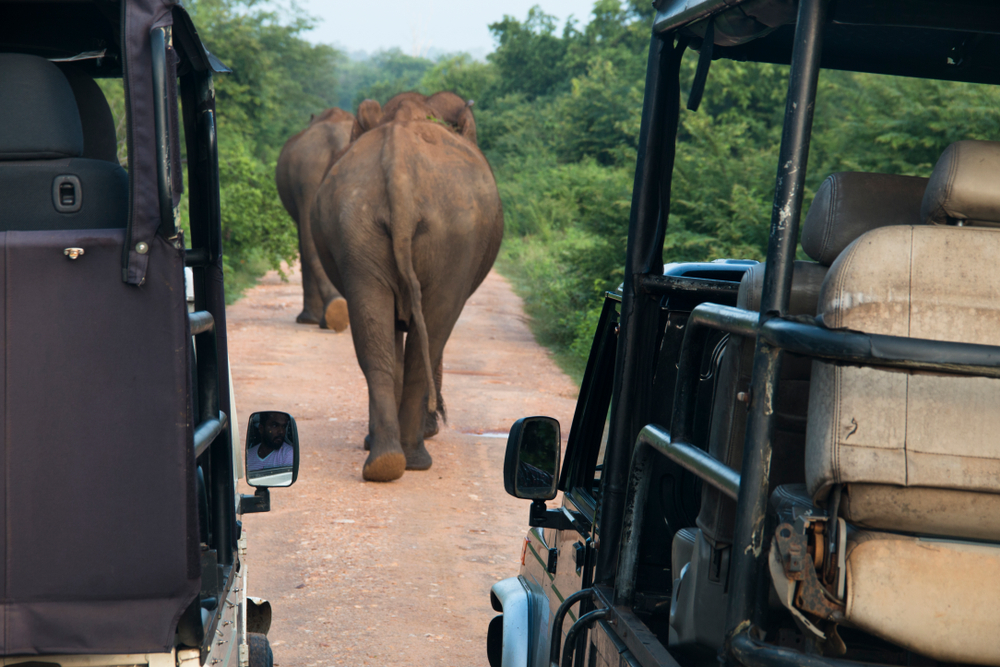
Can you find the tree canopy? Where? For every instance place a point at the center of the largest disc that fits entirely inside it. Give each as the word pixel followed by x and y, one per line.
pixel 558 111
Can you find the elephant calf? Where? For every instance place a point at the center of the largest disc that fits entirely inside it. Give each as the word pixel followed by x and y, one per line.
pixel 407 224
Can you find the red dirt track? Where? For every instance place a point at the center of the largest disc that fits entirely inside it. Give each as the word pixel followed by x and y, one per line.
pixel 360 573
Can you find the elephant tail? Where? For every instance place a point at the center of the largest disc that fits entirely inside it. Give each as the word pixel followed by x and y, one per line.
pixel 403 251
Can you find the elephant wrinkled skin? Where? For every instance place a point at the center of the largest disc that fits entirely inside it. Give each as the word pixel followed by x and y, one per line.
pixel 407 224
pixel 302 164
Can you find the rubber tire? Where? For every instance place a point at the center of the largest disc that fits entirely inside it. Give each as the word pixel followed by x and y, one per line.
pixel 260 650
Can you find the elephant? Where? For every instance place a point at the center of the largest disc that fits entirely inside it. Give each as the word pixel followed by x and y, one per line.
pixel 407 224
pixel 302 164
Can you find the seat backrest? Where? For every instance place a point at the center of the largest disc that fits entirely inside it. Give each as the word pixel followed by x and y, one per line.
pixel 100 141
pixel 46 182
pixel 935 282
pixel 850 203
pixel 847 205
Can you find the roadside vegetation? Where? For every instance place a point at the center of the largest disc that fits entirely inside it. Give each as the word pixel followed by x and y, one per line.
pixel 558 111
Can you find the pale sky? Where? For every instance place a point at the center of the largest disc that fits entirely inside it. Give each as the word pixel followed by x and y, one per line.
pixel 419 26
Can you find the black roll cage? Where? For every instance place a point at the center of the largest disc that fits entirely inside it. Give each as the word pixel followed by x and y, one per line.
pixel 212 442
pixel 633 439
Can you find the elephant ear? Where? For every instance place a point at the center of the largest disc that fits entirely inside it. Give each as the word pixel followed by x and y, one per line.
pixel 356 131
pixel 467 125
pixel 369 114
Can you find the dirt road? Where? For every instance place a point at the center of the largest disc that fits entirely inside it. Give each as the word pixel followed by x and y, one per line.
pixel 388 574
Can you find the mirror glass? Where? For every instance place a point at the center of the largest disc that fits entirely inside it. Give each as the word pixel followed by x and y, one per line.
pixel 272 451
pixel 537 443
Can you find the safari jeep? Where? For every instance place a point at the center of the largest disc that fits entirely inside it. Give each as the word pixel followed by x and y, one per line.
pixel 793 462
pixel 121 538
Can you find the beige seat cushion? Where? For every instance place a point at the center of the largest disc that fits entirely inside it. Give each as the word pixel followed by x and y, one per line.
pixel 906 429
pixel 925 511
pixel 933 597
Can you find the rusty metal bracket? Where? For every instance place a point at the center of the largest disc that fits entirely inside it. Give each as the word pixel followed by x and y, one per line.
pixel 810 596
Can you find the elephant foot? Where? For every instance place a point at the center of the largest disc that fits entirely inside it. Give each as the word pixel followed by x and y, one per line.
pixel 336 317
pixel 368 443
pixel 385 467
pixel 431 427
pixel 306 317
pixel 418 458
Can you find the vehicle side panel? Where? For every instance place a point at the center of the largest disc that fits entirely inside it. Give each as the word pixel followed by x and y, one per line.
pixel 97 448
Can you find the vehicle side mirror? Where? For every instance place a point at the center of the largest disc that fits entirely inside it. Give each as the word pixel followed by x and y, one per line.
pixel 531 466
pixel 272 451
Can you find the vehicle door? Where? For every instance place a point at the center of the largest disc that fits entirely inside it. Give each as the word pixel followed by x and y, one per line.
pixel 561 560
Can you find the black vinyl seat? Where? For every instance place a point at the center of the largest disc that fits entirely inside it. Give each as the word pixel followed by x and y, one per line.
pixel 57 171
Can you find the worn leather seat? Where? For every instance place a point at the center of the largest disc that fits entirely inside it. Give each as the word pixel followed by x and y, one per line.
pixel 917 452
pixel 51 176
pixel 847 205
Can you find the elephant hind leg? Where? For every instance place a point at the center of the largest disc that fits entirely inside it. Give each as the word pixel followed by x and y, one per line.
pixel 375 345
pixel 413 409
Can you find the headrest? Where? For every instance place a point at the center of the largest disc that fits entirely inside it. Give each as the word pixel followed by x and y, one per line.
pixel 99 139
pixel 965 185
pixel 850 203
pixel 39 119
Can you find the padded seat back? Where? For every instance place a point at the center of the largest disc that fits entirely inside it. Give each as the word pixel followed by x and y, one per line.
pixel 898 439
pixel 717 515
pixel 46 183
pixel 847 205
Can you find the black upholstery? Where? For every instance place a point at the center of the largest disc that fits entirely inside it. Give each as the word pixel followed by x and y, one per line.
pixel 42 145
pixel 38 115
pixel 99 139
pixel 729 416
pixel 26 193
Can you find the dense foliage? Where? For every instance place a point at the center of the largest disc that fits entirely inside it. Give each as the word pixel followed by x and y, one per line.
pixel 559 115
pixel 558 112
pixel 278 79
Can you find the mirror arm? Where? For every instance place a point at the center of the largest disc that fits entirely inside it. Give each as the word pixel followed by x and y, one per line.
pixel 560 519
pixel 260 501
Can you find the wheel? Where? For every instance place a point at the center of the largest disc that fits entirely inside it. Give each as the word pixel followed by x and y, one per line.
pixel 260 650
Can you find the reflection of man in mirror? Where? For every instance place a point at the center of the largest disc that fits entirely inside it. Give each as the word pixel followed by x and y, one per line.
pixel 274 451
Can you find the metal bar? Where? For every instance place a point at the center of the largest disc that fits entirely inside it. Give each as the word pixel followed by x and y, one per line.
pixel 914 354
pixel 195 257
pixel 639 311
pixel 160 39
pixel 703 465
pixel 747 593
pixel 201 322
pixel 669 285
pixel 653 438
pixel 646 647
pixel 724 318
pixel 751 653
pixel 555 636
pixel 681 13
pixel 582 623
pixel 207 431
pixel 698 461
pixel 632 520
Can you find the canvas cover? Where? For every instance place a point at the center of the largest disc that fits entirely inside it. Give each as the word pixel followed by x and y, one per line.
pixel 98 512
